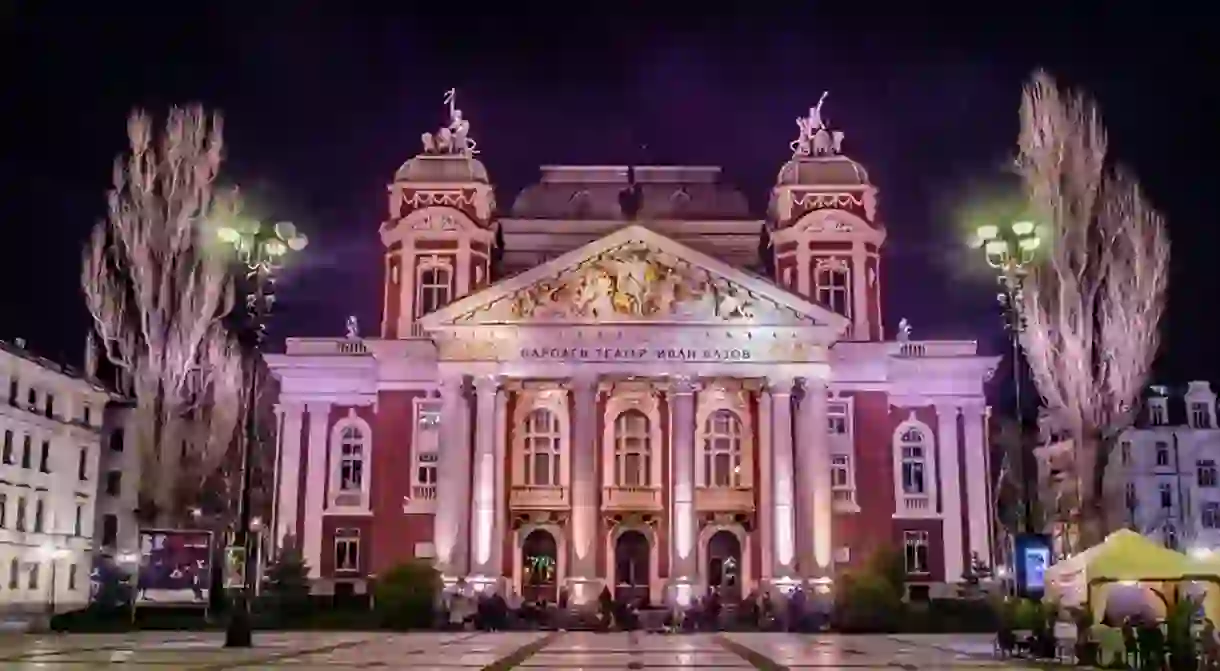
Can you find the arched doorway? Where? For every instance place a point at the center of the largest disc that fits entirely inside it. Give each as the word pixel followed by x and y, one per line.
pixel 540 567
pixel 631 569
pixel 724 564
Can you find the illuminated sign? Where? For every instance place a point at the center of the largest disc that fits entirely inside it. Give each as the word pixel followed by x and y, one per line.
pixel 637 354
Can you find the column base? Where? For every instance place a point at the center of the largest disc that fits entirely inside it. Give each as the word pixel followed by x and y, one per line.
pixel 682 591
pixel 583 591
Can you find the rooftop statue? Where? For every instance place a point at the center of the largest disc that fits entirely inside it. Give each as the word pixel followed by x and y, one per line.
pixel 814 139
pixel 454 139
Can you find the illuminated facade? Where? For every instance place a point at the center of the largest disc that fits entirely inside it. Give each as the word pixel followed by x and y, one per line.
pixel 625 380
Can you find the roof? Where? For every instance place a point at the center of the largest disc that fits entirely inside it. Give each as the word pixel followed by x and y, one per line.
pixel 18 350
pixel 663 192
pixel 440 169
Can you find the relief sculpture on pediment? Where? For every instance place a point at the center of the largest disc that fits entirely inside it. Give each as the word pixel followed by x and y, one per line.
pixel 634 282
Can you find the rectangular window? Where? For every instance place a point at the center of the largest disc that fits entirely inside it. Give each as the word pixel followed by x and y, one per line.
pixel 8 447
pixel 913 470
pixel 50 405
pixel 840 471
pixel 1200 415
pixel 40 508
pixel 116 440
pixel 20 522
pixel 427 446
pixel 3 510
pixel 78 524
pixel 1126 452
pixel 114 483
pixel 1211 515
pixel 347 550
pixel 1157 415
pixel 88 418
pixel 110 530
pixel 27 449
pixel 72 577
pixel 1131 497
pixel 82 464
pixel 1162 453
pixel 44 460
pixel 1166 490
pixel 836 419
pixel 1207 472
pixel 34 575
pixel 13 391
pixel 915 546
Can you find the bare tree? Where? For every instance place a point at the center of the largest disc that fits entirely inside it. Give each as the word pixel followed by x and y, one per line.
pixel 1093 307
pixel 157 295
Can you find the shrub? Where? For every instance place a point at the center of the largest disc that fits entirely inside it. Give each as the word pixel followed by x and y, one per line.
pixel 288 585
pixel 867 603
pixel 405 597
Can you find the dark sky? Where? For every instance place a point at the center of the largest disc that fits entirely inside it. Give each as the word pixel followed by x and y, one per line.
pixel 323 100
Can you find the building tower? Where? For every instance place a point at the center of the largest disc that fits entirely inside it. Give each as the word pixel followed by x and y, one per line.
pixel 440 230
pixel 825 235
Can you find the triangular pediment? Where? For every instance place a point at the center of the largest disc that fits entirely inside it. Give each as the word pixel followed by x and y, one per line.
pixel 635 275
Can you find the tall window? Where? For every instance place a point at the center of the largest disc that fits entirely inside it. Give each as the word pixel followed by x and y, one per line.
pixel 1207 472
pixel 27 449
pixel 1157 414
pixel 44 460
pixel 82 464
pixel 3 510
pixel 831 286
pixel 542 449
pixel 7 456
pixel 351 459
pixel 1211 515
pixel 427 440
pixel 432 288
pixel 632 450
pixel 78 524
pixel 347 550
pixel 1126 452
pixel 721 450
pixel 20 513
pixel 836 419
pixel 915 551
pixel 1162 453
pixel 40 508
pixel 1132 497
pixel 840 472
pixel 50 405
pixel 1200 417
pixel 1166 491
pixel 913 447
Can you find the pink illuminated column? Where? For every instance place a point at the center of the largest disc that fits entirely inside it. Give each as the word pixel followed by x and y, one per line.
pixel 483 520
pixel 783 504
pixel 950 490
pixel 812 456
pixel 683 564
pixel 453 487
pixel 582 568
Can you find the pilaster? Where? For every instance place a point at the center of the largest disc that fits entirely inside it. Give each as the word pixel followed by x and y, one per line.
pixel 683 548
pixel 812 456
pixel 766 512
pixel 977 478
pixel 315 486
pixel 950 491
pixel 584 584
pixel 452 517
pixel 289 475
pixel 782 482
pixel 483 520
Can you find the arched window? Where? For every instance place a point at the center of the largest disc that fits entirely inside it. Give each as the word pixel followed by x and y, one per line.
pixel 632 450
pixel 722 450
pixel 542 449
pixel 832 287
pixel 351 459
pixel 914 454
pixel 432 287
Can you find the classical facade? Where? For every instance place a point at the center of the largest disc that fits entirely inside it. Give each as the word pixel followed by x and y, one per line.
pixel 51 421
pixel 623 379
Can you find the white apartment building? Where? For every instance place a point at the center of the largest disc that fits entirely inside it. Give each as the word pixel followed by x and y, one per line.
pixel 51 421
pixel 1164 477
pixel 118 493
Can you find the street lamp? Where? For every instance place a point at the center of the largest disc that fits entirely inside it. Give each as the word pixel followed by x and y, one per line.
pixel 1010 250
pixel 53 553
pixel 261 249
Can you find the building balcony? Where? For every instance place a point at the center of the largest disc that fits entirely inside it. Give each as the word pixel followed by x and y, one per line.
pixel 915 505
pixel 628 497
pixel 724 499
pixel 422 500
pixel 844 501
pixel 326 347
pixel 539 497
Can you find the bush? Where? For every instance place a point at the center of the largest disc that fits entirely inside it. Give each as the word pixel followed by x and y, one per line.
pixel 405 597
pixel 287 591
pixel 867 603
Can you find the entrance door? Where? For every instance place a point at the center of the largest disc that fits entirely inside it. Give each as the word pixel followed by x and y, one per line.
pixel 631 569
pixel 539 574
pixel 724 564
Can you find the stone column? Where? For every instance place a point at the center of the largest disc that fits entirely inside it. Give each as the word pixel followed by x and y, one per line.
pixel 315 486
pixel 289 476
pixel 950 491
pixel 453 482
pixel 683 541
pixel 812 455
pixel 583 584
pixel 483 518
pixel 766 512
pixel 782 484
pixel 501 507
pixel 977 501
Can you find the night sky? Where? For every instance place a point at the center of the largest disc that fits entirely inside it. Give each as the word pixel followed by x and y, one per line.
pixel 323 100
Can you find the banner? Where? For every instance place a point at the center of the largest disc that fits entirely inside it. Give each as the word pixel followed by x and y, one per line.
pixel 175 567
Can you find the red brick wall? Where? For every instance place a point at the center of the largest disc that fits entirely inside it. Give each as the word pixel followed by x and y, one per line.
pixel 395 534
pixel 866 531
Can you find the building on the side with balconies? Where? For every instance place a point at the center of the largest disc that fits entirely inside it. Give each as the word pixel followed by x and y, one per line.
pixel 624 380
pixel 1163 479
pixel 51 420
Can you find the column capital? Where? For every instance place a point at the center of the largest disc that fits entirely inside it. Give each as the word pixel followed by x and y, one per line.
pixel 951 408
pixel 583 382
pixel 317 406
pixel 780 384
pixel 815 384
pixel 683 385
pixel 450 382
pixel 487 384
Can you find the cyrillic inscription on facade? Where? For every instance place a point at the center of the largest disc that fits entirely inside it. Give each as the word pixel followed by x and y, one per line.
pixel 636 354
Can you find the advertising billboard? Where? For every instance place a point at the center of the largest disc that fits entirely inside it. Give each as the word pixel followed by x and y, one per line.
pixel 1033 557
pixel 175 567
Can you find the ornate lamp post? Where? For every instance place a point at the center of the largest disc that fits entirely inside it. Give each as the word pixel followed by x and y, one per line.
pixel 1010 250
pixel 261 249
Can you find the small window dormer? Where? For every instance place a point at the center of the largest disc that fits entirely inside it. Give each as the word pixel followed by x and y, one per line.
pixel 1200 405
pixel 1158 411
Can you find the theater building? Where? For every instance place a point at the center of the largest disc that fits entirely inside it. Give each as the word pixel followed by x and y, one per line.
pixel 623 379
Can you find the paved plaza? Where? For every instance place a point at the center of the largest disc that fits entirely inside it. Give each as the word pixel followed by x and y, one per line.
pixel 527 650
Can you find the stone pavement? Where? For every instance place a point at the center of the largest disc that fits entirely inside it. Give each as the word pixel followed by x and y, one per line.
pixel 532 651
